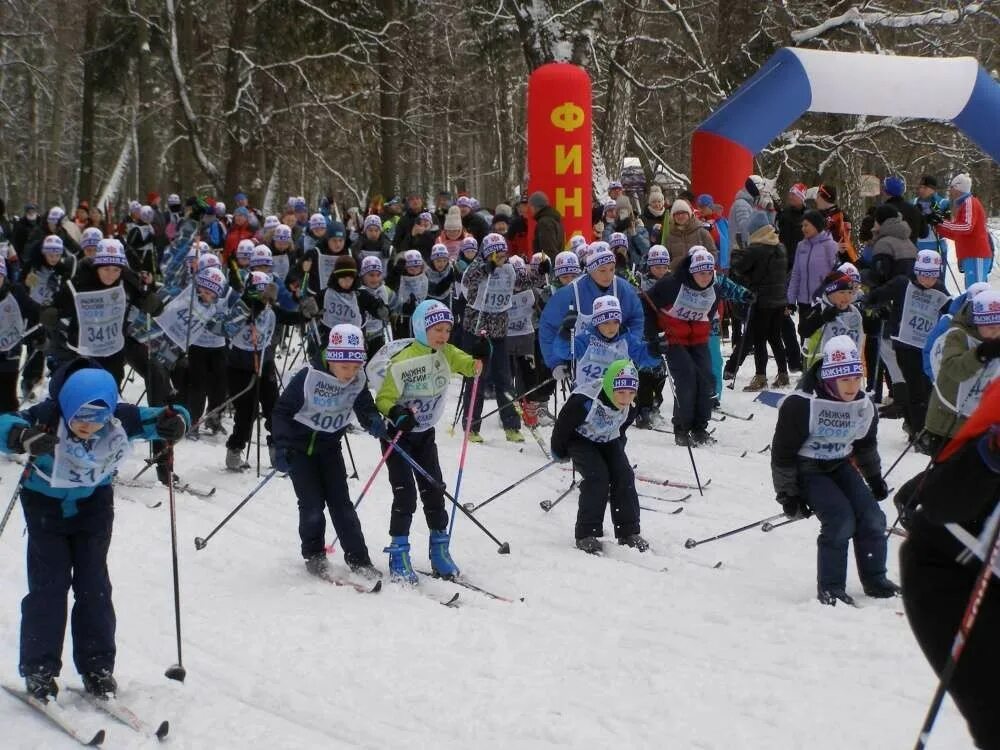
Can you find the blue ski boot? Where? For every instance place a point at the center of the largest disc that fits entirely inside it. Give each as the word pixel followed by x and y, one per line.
pixel 400 570
pixel 441 562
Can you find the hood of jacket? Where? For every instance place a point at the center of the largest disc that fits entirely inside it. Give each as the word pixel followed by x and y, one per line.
pixel 765 236
pixel 894 227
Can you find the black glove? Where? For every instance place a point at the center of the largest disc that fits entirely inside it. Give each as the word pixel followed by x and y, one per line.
pixel 409 307
pixel 662 345
pixel 376 428
pixel 568 324
pixel 934 218
pixel 879 488
pixel 281 462
pixel 830 313
pixel 481 348
pixel 989 349
pixel 794 507
pixel 402 418
pixel 34 441
pixel 49 317
pixel 309 308
pixel 657 371
pixel 545 266
pixel 170 425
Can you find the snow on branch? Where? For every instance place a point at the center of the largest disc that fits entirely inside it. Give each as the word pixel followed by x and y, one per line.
pixel 863 20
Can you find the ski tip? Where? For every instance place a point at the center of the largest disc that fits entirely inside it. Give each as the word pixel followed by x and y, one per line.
pixel 162 730
pixel 453 602
pixel 717 565
pixel 675 512
pixel 690 544
pixel 545 505
pixel 98 739
pixel 504 549
pixel 377 587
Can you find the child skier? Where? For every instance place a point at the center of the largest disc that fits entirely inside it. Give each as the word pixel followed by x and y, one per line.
pixel 411 284
pixel 385 303
pixel 823 453
pixel 77 438
pixel 590 430
pixel 308 421
pixel 412 396
pixel 441 275
pixel 17 314
pixel 651 384
pixel 832 315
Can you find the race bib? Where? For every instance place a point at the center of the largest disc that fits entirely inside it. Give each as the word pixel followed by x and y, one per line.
pixel 340 308
pixel 256 338
pixel 603 423
pixel 494 295
pixel 834 426
pixel 282 265
pixel 101 319
pixel 326 402
pixel 184 318
pixel 594 363
pixel 11 324
pixel 921 310
pixel 693 304
pixel 422 383
pixel 85 463
pixel 415 286
pixel 325 264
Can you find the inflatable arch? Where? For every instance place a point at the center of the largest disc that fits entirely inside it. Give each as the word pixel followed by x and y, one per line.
pixel 795 81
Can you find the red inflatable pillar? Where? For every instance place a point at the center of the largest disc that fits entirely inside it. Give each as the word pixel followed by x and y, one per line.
pixel 560 138
pixel 719 166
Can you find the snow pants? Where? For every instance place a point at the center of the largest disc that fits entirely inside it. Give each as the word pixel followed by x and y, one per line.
pixel 419 446
pixel 496 370
pixel 320 482
pixel 245 407
pixel 205 380
pixel 605 475
pixel 694 383
pixel 915 395
pixel 64 553
pixel 846 510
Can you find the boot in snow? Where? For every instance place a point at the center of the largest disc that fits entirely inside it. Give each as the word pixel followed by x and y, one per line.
pixel 475 437
pixel 781 381
pixel 880 588
pixel 635 541
pixel 590 544
pixel 41 685
pixel 213 424
pixel 644 419
pixel 163 475
pixel 681 437
pixel 441 562
pixel 702 437
pixel 400 570
pixel 758 383
pixel 362 566
pixel 234 460
pixel 100 684
pixel 832 596
pixel 513 436
pixel 317 565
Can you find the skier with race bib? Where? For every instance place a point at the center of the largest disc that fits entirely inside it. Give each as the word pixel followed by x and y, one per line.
pixel 18 315
pixel 832 315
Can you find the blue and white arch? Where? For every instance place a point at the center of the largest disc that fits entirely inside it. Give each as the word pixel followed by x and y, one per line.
pixel 796 81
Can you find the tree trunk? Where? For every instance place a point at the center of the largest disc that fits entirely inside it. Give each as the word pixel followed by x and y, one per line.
pixel 387 63
pixel 234 79
pixel 85 181
pixel 146 150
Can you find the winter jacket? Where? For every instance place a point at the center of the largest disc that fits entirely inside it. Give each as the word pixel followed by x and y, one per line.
pixel 739 216
pixel 476 275
pixel 682 239
pixel 638 242
pixel 789 223
pixel 364 247
pixel 911 215
pixel 449 359
pixel 814 259
pixel 893 294
pixel 475 225
pixel 21 233
pixel 836 223
pixel 968 229
pixel 893 254
pixel 681 331
pixel 403 236
pixel 550 237
pixel 573 414
pixel 233 239
pixel 762 268
pixel 654 224
pixel 33 246
pixel 638 352
pixel 939 330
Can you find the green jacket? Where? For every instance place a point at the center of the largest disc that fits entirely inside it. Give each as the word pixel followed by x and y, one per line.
pixel 423 390
pixel 959 364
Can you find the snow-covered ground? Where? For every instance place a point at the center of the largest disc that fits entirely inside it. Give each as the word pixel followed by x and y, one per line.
pixel 661 650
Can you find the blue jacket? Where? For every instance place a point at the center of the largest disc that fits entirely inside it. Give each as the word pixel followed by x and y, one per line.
pixel 138 422
pixel 587 290
pixel 944 322
pixel 638 352
pixel 722 225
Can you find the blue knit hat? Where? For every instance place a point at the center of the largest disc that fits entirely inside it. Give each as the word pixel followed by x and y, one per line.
pixel 428 314
pixel 89 393
pixel 758 220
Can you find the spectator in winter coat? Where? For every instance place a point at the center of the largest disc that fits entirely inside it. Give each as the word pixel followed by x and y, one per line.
pixel 519 239
pixel 452 233
pixel 686 232
pixel 550 237
pixel 23 229
pixel 472 222
pixel 836 222
pixel 654 216
pixel 893 253
pixel 409 218
pixel 815 257
pixel 790 220
pixel 442 202
pixel 373 242
pixel 968 230
pixel 894 187
pixel 53 225
pixel 745 203
pixel 635 233
pixel 240 230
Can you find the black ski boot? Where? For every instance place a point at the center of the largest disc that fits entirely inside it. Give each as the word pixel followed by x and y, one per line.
pixel 635 541
pixel 881 588
pixel 644 419
pixel 590 544
pixel 682 437
pixel 41 685
pixel 317 565
pixel 100 684
pixel 832 596
pixel 163 475
pixel 702 437
pixel 363 567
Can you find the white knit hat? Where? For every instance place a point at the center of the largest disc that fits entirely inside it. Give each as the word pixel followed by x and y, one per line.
pixel 986 308
pixel 680 206
pixel 606 309
pixel 962 182
pixel 840 359
pixel 928 263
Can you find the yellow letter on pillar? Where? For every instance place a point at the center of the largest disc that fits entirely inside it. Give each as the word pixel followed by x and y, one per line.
pixel 564 203
pixel 569 161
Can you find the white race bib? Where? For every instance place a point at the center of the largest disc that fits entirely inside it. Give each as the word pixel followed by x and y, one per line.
pixel 184 318
pixel 11 324
pixel 101 319
pixel 519 317
pixel 326 402
pixel 325 264
pixel 252 338
pixel 693 304
pixel 415 286
pixel 422 383
pixel 339 307
pixel 834 426
pixel 495 293
pixel 921 310
pixel 85 463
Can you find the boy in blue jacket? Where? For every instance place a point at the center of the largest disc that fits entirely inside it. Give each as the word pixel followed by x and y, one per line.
pixel 77 438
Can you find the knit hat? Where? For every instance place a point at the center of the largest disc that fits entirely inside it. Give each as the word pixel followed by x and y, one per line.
pixel 850 270
pixel 658 255
pixel 299 204
pixel 440 251
pixel 680 207
pixel 282 233
pixel 317 221
pixel 336 230
pixel 244 250
pixel 453 220
pixel 463 202
pixel 212 279
pixel 373 221
pixel 798 190
pixel 538 200
pixel 428 314
pixel 815 218
pixel 469 244
pixel 701 260
pixel 147 214
pixel 840 359
pixel 827 193
pixel 624 206
pixel 240 197
pixel 986 308
pixel 606 308
pixel 52 245
pixel 754 184
pixel 413 259
pixel 655 193
pixel 836 281
pixel 894 186
pixel 621 375
pixel 758 220
pixel 609 205
pixel 90 394
pixel 208 260
pixel 576 241
pixel 261 256
pixel 566 263
pixel 501 210
pixel 346 344
pixel 617 239
pixel 91 237
pixel 271 222
pixel 110 253
pixel 133 207
pixel 424 217
pixel 705 201
pixel 614 185
pixel 885 212
pixel 258 282
pixel 517 261
pixel 928 263
pixel 929 180
pixel 600 255
pixel 58 213
pixel 371 264
pixel 961 182
pixel 174 200
pixel 345 265
pixel 493 243
pixel 975 289
pixel 536 260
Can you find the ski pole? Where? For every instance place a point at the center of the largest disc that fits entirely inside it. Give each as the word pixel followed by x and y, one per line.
pixel 548 505
pixel 174 671
pixel 201 542
pixel 692 543
pixel 368 484
pixel 14 497
pixel 768 526
pixel 458 408
pixel 350 454
pixel 503 548
pixel 518 398
pixel 694 466
pixel 991 556
pixel 508 488
pixel 742 347
pixel 465 445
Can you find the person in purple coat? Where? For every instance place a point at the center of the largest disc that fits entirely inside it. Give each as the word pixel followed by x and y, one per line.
pixel 815 257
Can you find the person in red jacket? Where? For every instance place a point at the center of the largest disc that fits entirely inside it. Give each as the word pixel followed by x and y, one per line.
pixel 240 230
pixel 967 229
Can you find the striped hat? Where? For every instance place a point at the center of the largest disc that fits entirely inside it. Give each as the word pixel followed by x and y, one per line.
pixel 469 243
pixel 928 263
pixel 617 239
pixel 110 253
pixel 439 252
pixel 413 259
pixel 658 255
pixel 840 359
pixel 282 233
pixel 244 250
pixel 212 279
pixel 493 243
pixel 567 263
pixel 373 221
pixel 52 245
pixel 346 344
pixel 606 309
pixel 600 255
pixel 261 257
pixel 986 308
pixel 371 264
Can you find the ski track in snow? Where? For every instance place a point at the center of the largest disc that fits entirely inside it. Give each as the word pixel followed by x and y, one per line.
pixel 602 652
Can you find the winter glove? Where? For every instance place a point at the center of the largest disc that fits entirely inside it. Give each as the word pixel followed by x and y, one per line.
pixel 481 348
pixel 376 428
pixel 151 305
pixel 402 418
pixel 309 308
pixel 989 349
pixel 657 371
pixel 934 218
pixel 281 462
pixel 794 507
pixel 544 267
pixel 409 307
pixel 662 345
pixel 561 372
pixel 49 317
pixel 830 313
pixel 170 425
pixel 879 488
pixel 34 441
pixel 568 324
pixel 383 312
